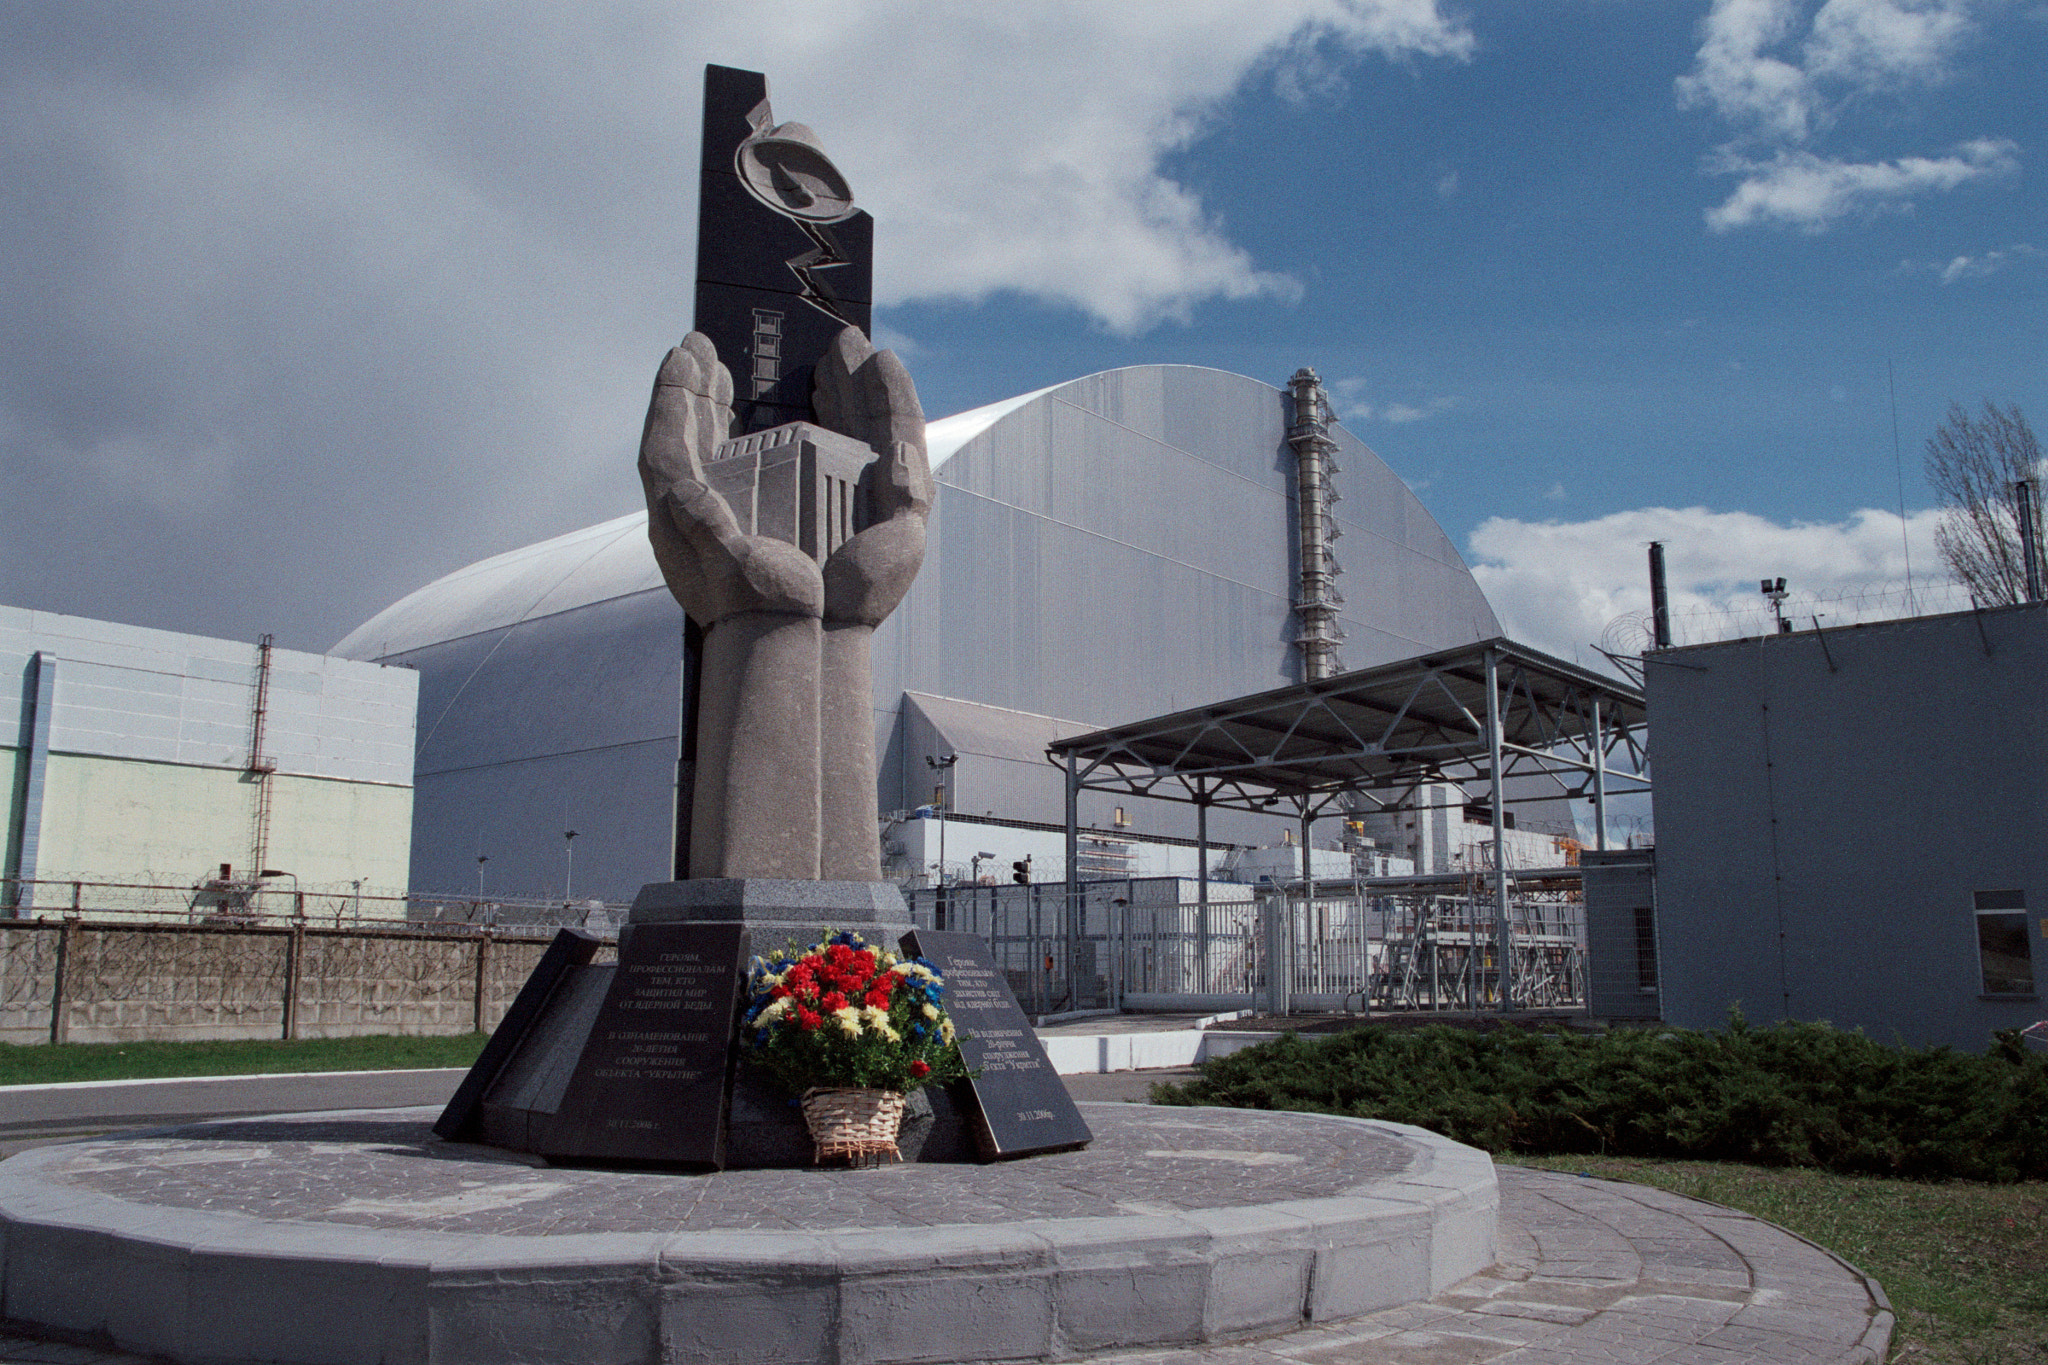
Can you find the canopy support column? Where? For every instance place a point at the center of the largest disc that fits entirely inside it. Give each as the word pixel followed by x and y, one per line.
pixel 1202 892
pixel 1073 880
pixel 1503 946
pixel 1599 780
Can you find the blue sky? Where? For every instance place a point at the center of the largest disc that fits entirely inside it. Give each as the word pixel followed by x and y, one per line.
pixel 315 304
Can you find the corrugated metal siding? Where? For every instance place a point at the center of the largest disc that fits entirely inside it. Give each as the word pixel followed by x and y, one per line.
pixel 1116 547
pixel 129 692
pixel 1826 806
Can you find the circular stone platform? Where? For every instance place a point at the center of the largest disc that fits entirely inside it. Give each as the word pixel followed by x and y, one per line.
pixel 360 1237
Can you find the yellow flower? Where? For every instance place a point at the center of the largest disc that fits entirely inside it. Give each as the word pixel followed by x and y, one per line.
pixel 946 1030
pixel 849 1021
pixel 931 1011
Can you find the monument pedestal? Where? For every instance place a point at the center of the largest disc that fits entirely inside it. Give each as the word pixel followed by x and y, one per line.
pixel 776 910
pixel 634 1063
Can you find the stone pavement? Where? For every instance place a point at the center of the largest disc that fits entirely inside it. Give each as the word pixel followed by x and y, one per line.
pixel 1591 1273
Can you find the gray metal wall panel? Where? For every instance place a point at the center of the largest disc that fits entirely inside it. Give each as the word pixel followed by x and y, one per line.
pixel 1852 810
pixel 591 678
pixel 619 800
pixel 1617 883
pixel 156 696
pixel 1117 547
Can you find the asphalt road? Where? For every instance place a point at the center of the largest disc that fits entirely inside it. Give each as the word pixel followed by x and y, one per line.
pixel 33 1115
pixel 37 1115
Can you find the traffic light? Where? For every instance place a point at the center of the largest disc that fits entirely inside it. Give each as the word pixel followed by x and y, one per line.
pixel 1020 871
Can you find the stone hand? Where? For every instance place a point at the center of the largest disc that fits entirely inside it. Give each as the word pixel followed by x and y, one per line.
pixel 714 569
pixel 867 394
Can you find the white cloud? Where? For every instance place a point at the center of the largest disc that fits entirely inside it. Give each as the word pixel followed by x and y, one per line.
pixel 1875 43
pixel 1348 396
pixel 1810 192
pixel 1781 88
pixel 1447 185
pixel 1558 585
pixel 1039 171
pixel 1988 263
pixel 1735 76
pixel 377 252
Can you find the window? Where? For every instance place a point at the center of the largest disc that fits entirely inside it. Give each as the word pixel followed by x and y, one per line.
pixel 2002 947
pixel 1646 950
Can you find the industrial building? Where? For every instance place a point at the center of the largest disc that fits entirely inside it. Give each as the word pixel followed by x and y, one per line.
pixel 156 770
pixel 1851 826
pixel 1115 547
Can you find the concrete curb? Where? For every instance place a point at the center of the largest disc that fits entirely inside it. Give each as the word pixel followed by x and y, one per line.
pixel 200 1285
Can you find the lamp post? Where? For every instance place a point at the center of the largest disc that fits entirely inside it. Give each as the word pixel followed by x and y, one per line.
pixel 944 768
pixel 481 859
pixel 568 865
pixel 1774 591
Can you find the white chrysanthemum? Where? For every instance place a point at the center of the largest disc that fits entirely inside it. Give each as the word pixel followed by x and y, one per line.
pixel 946 1030
pixel 776 1009
pixel 931 1011
pixel 849 1021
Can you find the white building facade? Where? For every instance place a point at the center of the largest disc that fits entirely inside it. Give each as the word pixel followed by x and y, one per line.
pixel 150 758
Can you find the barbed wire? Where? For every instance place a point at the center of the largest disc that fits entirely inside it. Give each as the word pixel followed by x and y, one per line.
pixel 1738 618
pixel 274 903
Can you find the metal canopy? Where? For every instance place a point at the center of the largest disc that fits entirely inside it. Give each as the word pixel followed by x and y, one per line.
pixel 1371 737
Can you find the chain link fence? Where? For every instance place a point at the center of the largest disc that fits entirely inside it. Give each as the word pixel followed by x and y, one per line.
pixel 1432 945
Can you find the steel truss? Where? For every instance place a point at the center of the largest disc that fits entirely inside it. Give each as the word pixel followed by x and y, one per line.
pixel 1371 739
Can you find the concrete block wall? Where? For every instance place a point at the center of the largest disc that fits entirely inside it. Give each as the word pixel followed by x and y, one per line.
pixel 191 982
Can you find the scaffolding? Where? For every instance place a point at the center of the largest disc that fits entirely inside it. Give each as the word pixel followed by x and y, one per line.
pixel 1439 942
pixel 1477 716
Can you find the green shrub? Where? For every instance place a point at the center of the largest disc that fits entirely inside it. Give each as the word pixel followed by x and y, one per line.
pixel 1789 1095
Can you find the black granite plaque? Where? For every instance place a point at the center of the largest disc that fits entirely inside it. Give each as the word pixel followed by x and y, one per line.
pixel 650 1086
pixel 772 290
pixel 572 948
pixel 1023 1104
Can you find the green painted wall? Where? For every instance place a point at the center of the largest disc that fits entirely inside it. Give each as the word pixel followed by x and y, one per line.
pixel 111 819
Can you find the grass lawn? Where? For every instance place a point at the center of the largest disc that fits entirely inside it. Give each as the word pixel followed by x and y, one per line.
pixel 28 1065
pixel 1965 1265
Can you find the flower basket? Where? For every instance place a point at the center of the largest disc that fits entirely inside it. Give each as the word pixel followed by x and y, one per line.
pixel 851 1030
pixel 858 1124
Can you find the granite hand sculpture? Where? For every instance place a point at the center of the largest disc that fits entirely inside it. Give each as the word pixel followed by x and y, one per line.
pixel 785 783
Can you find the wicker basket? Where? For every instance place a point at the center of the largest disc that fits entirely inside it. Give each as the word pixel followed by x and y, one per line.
pixel 857 1125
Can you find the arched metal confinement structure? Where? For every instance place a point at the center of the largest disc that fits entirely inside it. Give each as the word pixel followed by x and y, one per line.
pixel 1493 716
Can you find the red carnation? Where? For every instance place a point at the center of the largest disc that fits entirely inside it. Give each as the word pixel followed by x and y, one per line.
pixel 879 997
pixel 834 1000
pixel 808 1019
pixel 920 1069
